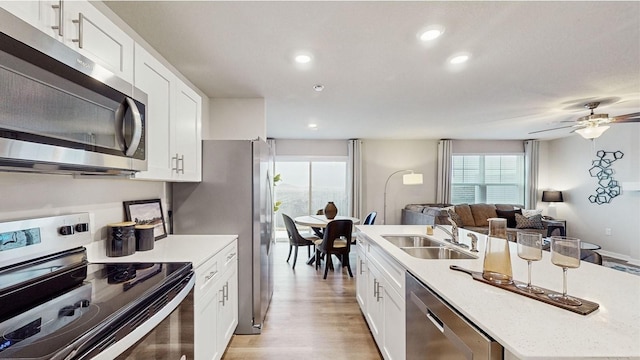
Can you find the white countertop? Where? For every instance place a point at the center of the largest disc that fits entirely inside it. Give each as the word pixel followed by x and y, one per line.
pixel 196 249
pixel 527 328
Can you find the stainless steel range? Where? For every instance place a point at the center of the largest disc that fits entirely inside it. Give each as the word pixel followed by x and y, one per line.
pixel 56 305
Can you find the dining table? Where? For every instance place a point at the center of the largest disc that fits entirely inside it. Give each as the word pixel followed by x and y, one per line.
pixel 320 221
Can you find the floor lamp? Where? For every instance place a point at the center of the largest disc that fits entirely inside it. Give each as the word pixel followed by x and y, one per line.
pixel 407 179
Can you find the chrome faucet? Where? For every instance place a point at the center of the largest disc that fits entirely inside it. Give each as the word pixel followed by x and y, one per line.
pixel 453 233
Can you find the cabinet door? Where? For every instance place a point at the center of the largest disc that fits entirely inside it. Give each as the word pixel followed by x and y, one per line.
pixel 158 82
pixel 361 278
pixel 186 137
pixel 227 308
pixel 42 15
pixel 92 34
pixel 375 309
pixel 206 338
pixel 394 325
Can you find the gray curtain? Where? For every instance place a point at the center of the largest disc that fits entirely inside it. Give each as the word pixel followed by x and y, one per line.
pixel 354 179
pixel 531 160
pixel 443 190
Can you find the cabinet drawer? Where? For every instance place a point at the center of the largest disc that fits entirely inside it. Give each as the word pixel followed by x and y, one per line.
pixel 206 276
pixel 228 257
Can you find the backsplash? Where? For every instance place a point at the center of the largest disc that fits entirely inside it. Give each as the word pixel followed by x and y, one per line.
pixel 37 195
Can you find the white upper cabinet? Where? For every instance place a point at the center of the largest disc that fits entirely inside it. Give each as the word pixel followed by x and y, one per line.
pixel 43 15
pixel 82 27
pixel 174 114
pixel 159 85
pixel 92 34
pixel 187 134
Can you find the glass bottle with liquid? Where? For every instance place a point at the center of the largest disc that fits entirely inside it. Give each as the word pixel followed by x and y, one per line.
pixel 497 258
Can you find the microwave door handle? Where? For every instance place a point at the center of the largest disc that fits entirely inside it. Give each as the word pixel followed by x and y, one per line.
pixel 137 127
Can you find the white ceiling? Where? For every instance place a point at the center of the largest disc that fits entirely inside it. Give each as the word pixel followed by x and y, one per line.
pixel 533 64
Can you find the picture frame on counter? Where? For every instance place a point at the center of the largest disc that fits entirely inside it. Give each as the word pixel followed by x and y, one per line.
pixel 147 212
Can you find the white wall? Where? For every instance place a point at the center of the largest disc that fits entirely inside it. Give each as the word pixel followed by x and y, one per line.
pixel 40 195
pixel 235 119
pixel 380 158
pixel 565 165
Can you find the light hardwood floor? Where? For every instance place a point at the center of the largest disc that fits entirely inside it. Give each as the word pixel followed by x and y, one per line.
pixel 309 318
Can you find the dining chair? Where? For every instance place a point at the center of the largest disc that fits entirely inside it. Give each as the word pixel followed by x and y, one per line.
pixel 318 231
pixel 336 241
pixel 370 219
pixel 296 239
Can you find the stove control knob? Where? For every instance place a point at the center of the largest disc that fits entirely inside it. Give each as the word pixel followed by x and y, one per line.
pixel 83 227
pixel 65 230
pixel 83 303
pixel 67 311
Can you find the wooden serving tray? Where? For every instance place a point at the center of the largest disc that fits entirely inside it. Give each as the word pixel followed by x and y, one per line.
pixel 587 306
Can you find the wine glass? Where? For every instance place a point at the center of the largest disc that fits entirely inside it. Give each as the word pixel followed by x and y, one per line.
pixel 530 249
pixel 565 252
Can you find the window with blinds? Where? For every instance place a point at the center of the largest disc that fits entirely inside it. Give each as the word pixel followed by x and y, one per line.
pixel 491 179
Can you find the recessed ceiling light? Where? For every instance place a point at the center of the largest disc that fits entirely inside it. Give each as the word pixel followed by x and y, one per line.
pixel 459 59
pixel 313 126
pixel 431 33
pixel 318 87
pixel 303 58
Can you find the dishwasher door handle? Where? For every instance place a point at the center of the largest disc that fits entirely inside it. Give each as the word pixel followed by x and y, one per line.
pixel 441 326
pixel 434 319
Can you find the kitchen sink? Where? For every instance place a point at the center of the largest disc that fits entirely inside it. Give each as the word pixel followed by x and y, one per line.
pixel 435 253
pixel 403 241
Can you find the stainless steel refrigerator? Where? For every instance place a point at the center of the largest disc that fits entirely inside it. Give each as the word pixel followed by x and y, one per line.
pixel 235 197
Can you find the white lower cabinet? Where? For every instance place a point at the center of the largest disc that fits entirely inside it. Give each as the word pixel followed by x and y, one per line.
pixel 380 293
pixel 216 305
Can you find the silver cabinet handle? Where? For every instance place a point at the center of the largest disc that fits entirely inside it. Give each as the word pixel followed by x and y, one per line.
pixel 60 8
pixel 375 288
pixel 379 296
pixel 80 23
pixel 181 159
pixel 361 267
pixel 211 274
pixel 226 291
pixel 230 256
pixel 221 296
pixel 176 159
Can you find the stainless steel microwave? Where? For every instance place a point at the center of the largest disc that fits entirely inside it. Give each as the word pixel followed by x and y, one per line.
pixel 62 113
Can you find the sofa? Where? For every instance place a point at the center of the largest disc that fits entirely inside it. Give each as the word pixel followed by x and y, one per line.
pixel 475 217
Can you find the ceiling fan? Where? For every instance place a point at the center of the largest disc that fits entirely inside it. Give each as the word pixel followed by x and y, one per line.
pixel 594 125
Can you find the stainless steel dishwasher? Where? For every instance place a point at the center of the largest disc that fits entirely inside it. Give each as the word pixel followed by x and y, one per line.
pixel 436 331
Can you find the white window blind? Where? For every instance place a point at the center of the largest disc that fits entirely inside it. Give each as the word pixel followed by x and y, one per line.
pixel 493 179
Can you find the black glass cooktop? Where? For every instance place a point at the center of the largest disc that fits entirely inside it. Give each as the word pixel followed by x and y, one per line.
pixel 47 308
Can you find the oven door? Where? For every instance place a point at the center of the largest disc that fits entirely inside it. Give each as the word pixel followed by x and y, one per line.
pixel 160 331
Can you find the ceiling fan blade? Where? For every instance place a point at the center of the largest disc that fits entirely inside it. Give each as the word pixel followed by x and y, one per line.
pixel 562 127
pixel 634 117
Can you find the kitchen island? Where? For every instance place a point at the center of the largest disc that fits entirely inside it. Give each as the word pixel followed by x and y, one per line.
pixel 526 328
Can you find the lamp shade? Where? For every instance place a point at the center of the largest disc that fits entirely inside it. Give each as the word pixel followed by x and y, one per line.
pixel 412 179
pixel 552 196
pixel 592 132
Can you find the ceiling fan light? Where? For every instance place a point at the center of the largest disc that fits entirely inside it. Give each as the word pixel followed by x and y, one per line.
pixel 592 132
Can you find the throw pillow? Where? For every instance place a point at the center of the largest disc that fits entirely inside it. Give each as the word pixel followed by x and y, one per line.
pixel 510 215
pixel 455 217
pixel 530 213
pixel 533 222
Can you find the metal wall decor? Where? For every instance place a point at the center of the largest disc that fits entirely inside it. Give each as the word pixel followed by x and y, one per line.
pixel 608 187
